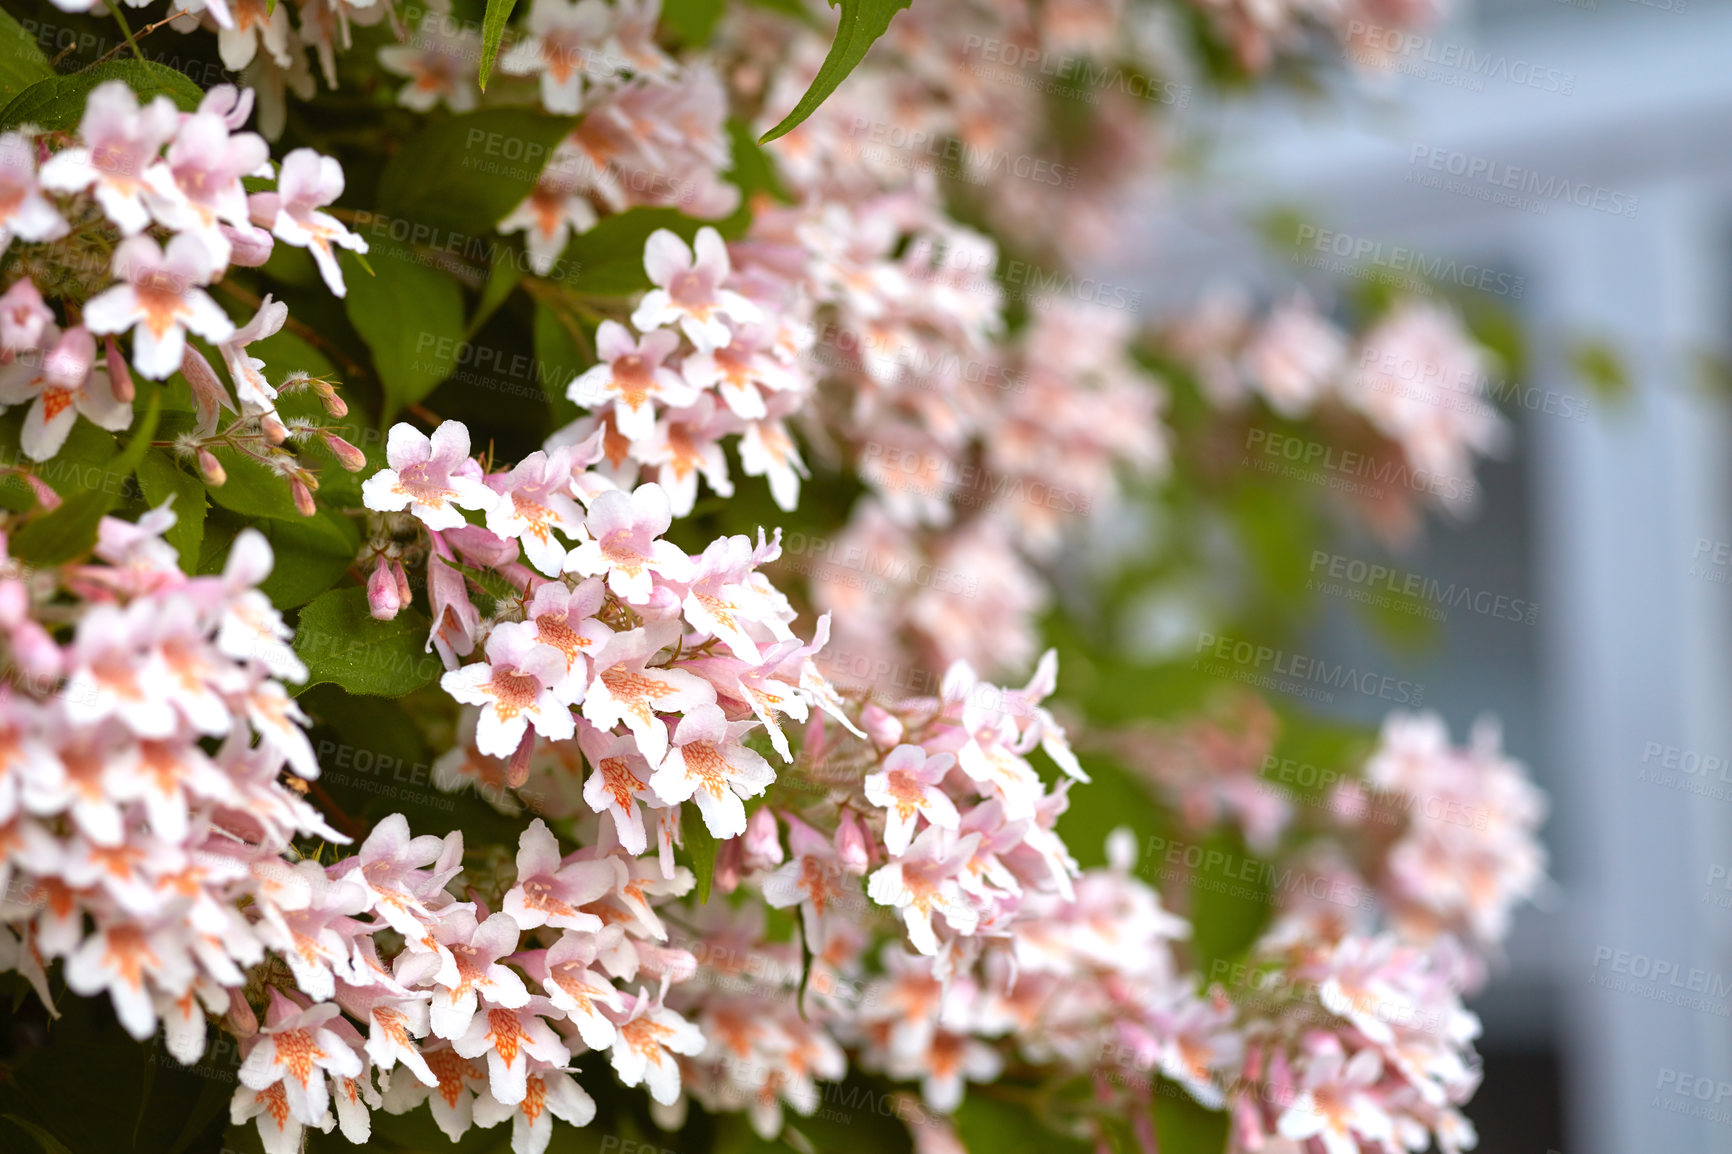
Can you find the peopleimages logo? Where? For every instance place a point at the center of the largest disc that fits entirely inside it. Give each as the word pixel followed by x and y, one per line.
pixel 1525 181
pixel 1331 571
pixel 1464 58
pixel 1401 259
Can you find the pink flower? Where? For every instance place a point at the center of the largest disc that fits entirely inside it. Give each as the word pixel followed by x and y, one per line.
pixel 686 444
pixel 740 370
pixel 562 39
pixel 573 987
pixel 23 317
pixel 632 375
pixel 25 214
pixel 908 788
pixel 455 617
pixel 160 300
pixel 197 186
pixel 534 500
pixel 1338 1102
pixel 815 879
pixel 618 783
pixel 509 1039
pixel 548 1094
pixel 645 1045
pixel 554 208
pixel 549 892
pixel 767 450
pixel 119 142
pixel 624 543
pixel 296 1049
pixel 306 184
pixel 924 882
pixel 562 621
pixel 440 63
pixel 515 688
pixel 472 969
pixel 59 381
pixel 119 957
pixel 708 762
pixel 255 393
pixel 627 690
pixel 689 290
pixel 430 477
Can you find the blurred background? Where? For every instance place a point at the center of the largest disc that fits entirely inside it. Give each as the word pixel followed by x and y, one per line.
pixel 1608 510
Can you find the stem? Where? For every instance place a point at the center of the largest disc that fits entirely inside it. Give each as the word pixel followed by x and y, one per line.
pixel 130 39
pixel 125 28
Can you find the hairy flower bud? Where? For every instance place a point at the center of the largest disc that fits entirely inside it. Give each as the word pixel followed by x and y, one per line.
pixel 347 455
pixel 303 498
pixel 119 376
pixel 383 595
pixel 211 468
pixel 884 729
pixel 273 428
pixel 851 845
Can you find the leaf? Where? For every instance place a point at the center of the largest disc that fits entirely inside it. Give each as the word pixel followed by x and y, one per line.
pixel 492 31
pixel 252 488
pixel 610 255
pixel 161 478
pixel 312 555
pixel 70 530
pixel 701 844
pixel 454 181
pixel 1182 1126
pixel 21 60
pixel 862 22
pixel 49 1143
pixel 411 317
pixel 692 20
pixel 57 103
pixel 491 583
pixel 995 1126
pixel 502 280
pixel 343 644
pixel 558 361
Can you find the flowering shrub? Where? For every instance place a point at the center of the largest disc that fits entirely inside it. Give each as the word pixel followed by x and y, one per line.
pixel 590 656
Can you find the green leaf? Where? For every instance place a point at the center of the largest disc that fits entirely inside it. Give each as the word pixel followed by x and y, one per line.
pixel 502 280
pixel 161 478
pixel 692 20
pixel 454 181
pixel 342 643
pixel 995 1126
pixel 49 1143
pixel 610 255
pixel 701 844
pixel 558 361
pixel 21 60
pixel 312 554
pixel 57 103
pixel 70 530
pixel 1182 1126
pixel 491 583
pixel 411 316
pixel 862 23
pixel 492 31
pixel 252 488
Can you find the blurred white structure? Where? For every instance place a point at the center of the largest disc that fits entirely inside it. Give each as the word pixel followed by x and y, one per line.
pixel 1632 649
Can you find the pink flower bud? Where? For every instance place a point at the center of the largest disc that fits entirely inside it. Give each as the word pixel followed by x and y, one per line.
pixel 884 729
pixel 334 404
pixel 119 376
pixel 851 845
pixel 23 316
pixel 404 593
pixel 14 603
pixel 249 247
pixel 208 393
pixel 272 427
pixel 211 468
pixel 729 866
pixel 382 593
pixel 347 455
pixel 763 839
pixel 241 1018
pixel 303 498
pixel 35 651
pixel 45 495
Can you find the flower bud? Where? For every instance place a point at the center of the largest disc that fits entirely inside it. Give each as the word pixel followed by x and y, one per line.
pixel 347 455
pixel 851 845
pixel 303 498
pixel 119 376
pixel 763 841
pixel 404 593
pixel 334 404
pixel 211 468
pixel 272 426
pixel 45 495
pixel 884 729
pixel 383 600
